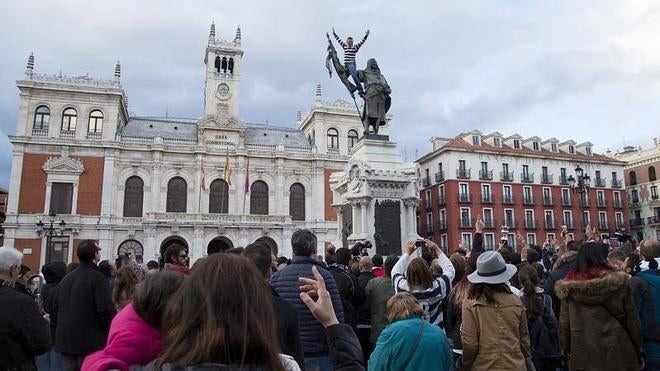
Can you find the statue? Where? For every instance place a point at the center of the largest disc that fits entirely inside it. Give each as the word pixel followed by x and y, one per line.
pixel 377 99
pixel 376 91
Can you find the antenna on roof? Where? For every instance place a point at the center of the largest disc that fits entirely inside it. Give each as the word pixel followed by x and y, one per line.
pixel 166 111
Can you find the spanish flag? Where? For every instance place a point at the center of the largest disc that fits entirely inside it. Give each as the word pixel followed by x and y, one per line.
pixel 227 168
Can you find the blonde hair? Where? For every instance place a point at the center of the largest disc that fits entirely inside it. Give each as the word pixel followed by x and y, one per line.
pixel 366 264
pixel 403 305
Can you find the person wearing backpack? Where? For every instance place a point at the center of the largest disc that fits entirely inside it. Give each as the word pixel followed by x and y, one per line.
pixel 646 293
pixel 350 293
pixel 541 321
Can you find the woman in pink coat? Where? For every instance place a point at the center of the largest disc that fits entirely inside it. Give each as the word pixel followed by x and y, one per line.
pixel 134 337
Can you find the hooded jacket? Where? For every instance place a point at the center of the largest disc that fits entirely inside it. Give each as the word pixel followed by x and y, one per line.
pixel 53 274
pixel 646 292
pixel 562 266
pixel 599 328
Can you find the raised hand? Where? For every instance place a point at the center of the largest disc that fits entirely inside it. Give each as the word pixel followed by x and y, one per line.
pixel 410 247
pixel 322 308
pixel 479 225
pixel 435 247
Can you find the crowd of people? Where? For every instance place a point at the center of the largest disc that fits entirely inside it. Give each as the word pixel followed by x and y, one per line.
pixel 566 305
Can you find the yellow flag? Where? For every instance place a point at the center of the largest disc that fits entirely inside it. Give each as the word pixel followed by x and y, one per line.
pixel 227 168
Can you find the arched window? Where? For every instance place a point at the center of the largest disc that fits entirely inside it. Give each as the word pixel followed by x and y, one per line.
pixel 177 194
pixel 259 198
pixel 352 138
pixel 333 138
pixel 41 118
pixel 632 178
pixel 217 64
pixel 133 246
pixel 297 201
pixel 219 197
pixel 652 174
pixel 95 122
pixel 230 65
pixel 133 196
pixel 69 118
pixel 224 64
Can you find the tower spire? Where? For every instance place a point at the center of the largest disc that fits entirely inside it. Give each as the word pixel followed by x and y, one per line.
pixel 117 71
pixel 29 69
pixel 318 94
pixel 237 39
pixel 212 33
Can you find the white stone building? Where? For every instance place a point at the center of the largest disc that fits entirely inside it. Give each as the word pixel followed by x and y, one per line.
pixel 145 182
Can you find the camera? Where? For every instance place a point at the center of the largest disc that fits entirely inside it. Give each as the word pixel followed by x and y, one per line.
pixel 420 243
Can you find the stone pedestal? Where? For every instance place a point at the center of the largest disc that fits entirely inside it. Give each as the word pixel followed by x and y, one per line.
pixel 382 195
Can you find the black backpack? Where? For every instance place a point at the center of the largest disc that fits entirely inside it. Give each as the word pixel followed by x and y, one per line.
pixel 543 337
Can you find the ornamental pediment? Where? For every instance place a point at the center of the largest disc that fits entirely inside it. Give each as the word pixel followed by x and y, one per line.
pixel 63 165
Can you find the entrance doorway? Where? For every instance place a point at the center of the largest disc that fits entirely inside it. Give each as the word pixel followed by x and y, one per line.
pixel 173 240
pixel 270 242
pixel 219 244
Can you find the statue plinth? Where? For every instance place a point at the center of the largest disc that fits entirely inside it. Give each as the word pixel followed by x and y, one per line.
pixel 378 196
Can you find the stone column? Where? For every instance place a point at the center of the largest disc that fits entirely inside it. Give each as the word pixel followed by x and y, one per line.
pixel 15 179
pixel 107 195
pixel 410 224
pixel 340 222
pixel 150 249
pixel 154 205
pixel 364 203
pixel 197 248
pixel 357 226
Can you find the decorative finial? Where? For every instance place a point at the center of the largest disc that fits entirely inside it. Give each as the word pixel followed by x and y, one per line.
pixel 117 71
pixel 212 33
pixel 298 116
pixel 318 92
pixel 29 69
pixel 237 39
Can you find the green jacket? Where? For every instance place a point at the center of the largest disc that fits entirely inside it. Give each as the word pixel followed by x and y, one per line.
pixel 396 343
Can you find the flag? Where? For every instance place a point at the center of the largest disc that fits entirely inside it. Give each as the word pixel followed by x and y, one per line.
pixel 227 168
pixel 247 177
pixel 203 185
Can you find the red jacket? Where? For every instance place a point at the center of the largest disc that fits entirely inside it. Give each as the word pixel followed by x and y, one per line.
pixel 131 341
pixel 377 271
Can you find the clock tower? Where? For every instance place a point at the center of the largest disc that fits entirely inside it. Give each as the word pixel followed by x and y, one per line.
pixel 223 74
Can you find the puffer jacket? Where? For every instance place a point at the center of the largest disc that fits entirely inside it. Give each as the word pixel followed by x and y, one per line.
pixel 646 292
pixel 286 284
pixel 563 265
pixel 495 336
pixel 599 328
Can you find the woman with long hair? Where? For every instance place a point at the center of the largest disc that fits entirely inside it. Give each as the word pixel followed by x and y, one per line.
pixel 494 330
pixel 599 327
pixel 223 316
pixel 124 288
pixel 541 321
pixel 413 275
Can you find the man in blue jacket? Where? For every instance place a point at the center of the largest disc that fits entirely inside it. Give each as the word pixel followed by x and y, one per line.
pixel 646 291
pixel 286 283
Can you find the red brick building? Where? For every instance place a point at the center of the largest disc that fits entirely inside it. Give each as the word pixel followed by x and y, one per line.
pixel 519 183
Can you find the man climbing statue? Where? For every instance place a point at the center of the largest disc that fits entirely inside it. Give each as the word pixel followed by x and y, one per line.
pixel 350 50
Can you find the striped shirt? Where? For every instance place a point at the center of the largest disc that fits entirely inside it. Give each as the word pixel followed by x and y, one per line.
pixel 350 51
pixel 431 298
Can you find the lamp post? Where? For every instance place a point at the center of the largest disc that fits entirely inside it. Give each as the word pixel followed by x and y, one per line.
pixel 49 230
pixel 581 182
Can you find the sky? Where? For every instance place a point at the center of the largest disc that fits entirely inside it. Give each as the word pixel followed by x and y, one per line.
pixel 587 70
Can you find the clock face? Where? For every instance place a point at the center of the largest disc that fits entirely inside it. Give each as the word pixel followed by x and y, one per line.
pixel 223 91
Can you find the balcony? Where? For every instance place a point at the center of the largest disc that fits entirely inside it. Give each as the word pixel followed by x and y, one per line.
pixel 426 181
pixel 486 174
pixel 428 204
pixel 442 200
pixel 528 200
pixel 603 225
pixel 616 183
pixel 530 224
pixel 547 179
pixel 566 201
pixel 653 220
pixel 39 132
pixel 508 199
pixel 439 176
pixel 465 223
pixel 620 224
pixel 486 198
pixel 506 176
pixel 463 173
pixel 585 203
pixel 527 178
pixel 600 182
pixel 429 229
pixel 563 180
pixel 547 201
pixel 464 197
pixel 617 204
pixel 68 134
pixel 94 135
pixel 601 202
pixel 550 224
pixel 569 224
pixel 637 223
pixel 509 223
pixel 490 223
pixel 442 225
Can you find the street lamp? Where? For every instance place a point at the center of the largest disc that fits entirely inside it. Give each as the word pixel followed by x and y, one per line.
pixel 581 182
pixel 49 230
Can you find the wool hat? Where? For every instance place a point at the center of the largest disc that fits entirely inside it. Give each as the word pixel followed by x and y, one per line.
pixel 492 269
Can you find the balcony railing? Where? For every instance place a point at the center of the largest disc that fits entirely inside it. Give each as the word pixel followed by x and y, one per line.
pixel 620 224
pixel 600 182
pixel 636 222
pixel 68 134
pixel 603 225
pixel 547 201
pixel 94 135
pixel 616 183
pixel 464 197
pixel 426 181
pixel 565 201
pixel 550 224
pixel 466 223
pixel 509 223
pixel 439 176
pixel 442 200
pixel 429 229
pixel 585 202
pixel 635 200
pixel 486 198
pixel 617 204
pixel 490 223
pixel 547 179
pixel 563 180
pixel 530 224
pixel 486 174
pixel 463 173
pixel 653 220
pixel 527 178
pixel 570 225
pixel 506 176
pixel 528 200
pixel 508 199
pixel 601 202
pixel 442 225
pixel 428 203
pixel 39 132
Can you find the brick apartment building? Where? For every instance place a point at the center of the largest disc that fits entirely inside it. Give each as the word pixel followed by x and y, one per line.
pixel 519 183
